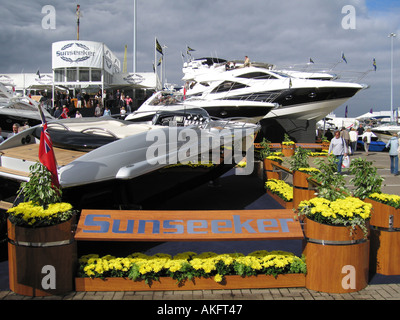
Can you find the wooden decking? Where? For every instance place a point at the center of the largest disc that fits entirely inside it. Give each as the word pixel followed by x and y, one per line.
pixel 30 152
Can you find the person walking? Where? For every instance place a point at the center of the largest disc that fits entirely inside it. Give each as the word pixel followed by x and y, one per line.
pixel 344 133
pixel 393 145
pixel 338 148
pixel 366 138
pixel 353 140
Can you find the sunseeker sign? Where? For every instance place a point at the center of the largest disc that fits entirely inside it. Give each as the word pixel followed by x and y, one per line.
pixel 124 225
pixel 77 54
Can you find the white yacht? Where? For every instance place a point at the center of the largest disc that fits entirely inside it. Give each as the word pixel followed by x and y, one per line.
pixel 300 95
pixel 107 163
pixel 14 109
pixel 240 110
pixel 385 131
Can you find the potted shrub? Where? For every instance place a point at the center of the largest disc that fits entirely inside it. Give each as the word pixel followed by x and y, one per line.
pixel 336 228
pixel 366 179
pixel 288 146
pixel 385 234
pixel 267 157
pixel 331 185
pixel 336 234
pixel 40 232
pixel 325 143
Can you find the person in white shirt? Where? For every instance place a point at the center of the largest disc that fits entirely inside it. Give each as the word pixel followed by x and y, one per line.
pixel 338 148
pixel 366 137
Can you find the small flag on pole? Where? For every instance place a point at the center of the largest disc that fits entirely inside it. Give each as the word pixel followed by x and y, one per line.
pixel 158 47
pixel 46 152
pixel 343 57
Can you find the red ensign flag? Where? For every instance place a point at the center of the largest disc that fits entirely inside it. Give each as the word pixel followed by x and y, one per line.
pixel 46 152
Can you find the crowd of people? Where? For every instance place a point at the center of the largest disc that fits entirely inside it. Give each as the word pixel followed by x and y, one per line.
pixel 343 143
pixel 101 102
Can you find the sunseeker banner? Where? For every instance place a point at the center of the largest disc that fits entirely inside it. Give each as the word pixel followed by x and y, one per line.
pixel 77 54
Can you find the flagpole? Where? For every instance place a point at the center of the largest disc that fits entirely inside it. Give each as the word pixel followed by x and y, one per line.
pixel 392 35
pixel 134 35
pixel 155 60
pixel 78 12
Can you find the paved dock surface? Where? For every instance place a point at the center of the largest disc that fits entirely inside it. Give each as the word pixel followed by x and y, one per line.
pixel 379 288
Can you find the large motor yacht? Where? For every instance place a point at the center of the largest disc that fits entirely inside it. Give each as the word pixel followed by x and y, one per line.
pixel 300 95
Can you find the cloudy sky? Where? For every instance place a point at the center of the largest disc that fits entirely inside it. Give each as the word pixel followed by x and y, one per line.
pixel 284 33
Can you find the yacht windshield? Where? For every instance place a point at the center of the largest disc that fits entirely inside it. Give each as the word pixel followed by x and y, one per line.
pixel 227 86
pixel 257 76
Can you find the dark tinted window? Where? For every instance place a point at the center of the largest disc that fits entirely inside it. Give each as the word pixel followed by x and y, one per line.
pixel 257 75
pixel 227 86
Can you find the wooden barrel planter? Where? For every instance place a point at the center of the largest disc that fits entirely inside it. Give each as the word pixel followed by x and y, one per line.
pixel 42 261
pixel 385 239
pixel 336 261
pixel 269 172
pixel 288 150
pixel 301 188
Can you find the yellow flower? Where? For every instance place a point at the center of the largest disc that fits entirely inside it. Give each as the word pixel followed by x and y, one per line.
pixel 218 278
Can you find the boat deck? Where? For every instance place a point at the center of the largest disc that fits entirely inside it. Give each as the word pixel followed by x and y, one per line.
pixel 30 152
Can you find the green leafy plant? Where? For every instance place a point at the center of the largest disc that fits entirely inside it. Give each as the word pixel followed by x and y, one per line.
pixel 287 140
pixel 299 159
pixel 42 204
pixel 40 189
pixel 265 150
pixel 366 179
pixel 331 185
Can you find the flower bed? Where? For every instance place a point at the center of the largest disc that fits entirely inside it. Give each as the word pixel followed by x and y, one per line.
pixel 318 154
pixel 275 158
pixel 28 214
pixel 190 267
pixel 350 212
pixel 280 188
pixel 389 199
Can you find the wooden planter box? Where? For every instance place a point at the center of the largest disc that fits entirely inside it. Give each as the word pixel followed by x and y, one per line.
pixel 301 188
pixel 325 146
pixel 385 239
pixel 382 213
pixel 166 284
pixel 269 170
pixel 32 249
pixel 283 203
pixel 336 261
pixel 288 150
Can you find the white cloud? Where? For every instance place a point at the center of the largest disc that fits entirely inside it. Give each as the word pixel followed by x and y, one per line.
pixel 280 32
